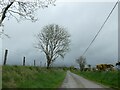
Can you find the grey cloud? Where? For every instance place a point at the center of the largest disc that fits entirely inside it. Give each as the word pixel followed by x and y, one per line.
pixel 82 20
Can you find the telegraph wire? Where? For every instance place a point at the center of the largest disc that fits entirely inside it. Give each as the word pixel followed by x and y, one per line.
pixel 100 28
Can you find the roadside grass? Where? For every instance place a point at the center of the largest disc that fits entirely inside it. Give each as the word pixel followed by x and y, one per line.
pixel 108 78
pixel 31 77
pixel 0 77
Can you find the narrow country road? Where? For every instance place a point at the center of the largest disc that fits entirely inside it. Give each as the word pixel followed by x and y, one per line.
pixel 74 81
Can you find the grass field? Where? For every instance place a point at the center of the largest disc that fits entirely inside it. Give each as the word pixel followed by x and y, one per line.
pixel 110 78
pixel 31 77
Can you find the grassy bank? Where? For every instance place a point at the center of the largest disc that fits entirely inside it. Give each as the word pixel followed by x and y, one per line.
pixel 31 77
pixel 110 79
pixel 0 77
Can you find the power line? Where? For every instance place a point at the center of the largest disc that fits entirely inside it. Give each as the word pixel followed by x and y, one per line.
pixel 100 28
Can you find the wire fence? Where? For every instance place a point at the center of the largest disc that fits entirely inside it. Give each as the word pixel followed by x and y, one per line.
pixel 21 60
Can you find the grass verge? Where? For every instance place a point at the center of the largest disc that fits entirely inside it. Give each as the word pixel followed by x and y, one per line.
pixel 0 77
pixel 31 77
pixel 109 78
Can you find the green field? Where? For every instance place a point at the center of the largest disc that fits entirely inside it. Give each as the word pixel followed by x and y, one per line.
pixel 31 77
pixel 108 78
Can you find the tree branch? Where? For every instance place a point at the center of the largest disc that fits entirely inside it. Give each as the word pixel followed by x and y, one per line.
pixel 5 11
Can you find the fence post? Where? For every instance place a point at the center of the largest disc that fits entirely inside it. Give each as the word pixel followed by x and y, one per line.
pixel 23 61
pixel 34 62
pixel 45 65
pixel 40 63
pixel 5 57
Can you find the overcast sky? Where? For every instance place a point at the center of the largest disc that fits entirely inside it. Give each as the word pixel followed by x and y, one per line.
pixel 82 21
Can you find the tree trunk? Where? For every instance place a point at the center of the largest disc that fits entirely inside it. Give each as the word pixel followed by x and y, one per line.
pixel 48 63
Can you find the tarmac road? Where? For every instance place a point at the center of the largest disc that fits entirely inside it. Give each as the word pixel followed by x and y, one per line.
pixel 74 81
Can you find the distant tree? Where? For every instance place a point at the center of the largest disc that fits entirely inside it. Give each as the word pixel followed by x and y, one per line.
pixel 81 61
pixel 89 66
pixel 54 41
pixel 71 67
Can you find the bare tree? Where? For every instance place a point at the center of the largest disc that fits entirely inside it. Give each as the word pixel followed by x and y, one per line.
pixel 54 41
pixel 81 61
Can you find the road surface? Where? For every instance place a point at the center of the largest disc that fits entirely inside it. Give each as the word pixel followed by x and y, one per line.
pixel 74 81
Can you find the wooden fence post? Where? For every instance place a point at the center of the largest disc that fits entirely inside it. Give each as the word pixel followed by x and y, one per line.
pixel 40 63
pixel 34 62
pixel 23 61
pixel 5 57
